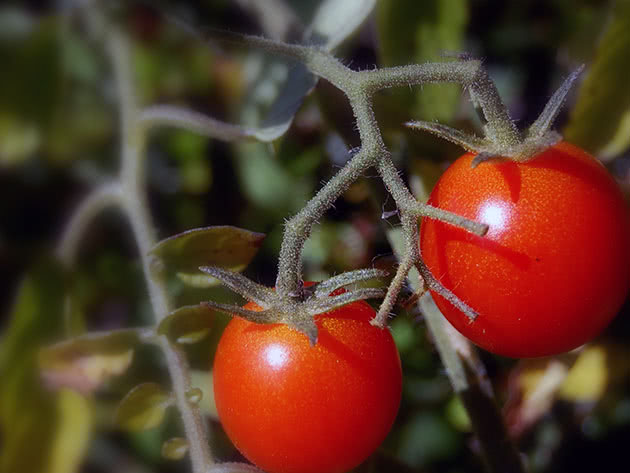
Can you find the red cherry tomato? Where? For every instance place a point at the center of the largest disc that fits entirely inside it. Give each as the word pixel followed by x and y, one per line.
pixel 553 269
pixel 290 407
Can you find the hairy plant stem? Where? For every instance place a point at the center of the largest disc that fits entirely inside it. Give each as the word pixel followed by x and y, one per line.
pixel 128 192
pixel 132 177
pixel 359 88
pixel 105 196
pixel 498 451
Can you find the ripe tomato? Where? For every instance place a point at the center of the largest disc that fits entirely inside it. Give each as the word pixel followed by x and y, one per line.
pixel 290 407
pixel 553 269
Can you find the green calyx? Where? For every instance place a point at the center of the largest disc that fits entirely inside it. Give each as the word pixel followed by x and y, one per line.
pixel 499 142
pixel 294 310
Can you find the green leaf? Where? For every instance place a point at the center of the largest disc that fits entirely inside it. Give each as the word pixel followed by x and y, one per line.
pixel 175 448
pixel 202 382
pixel 72 436
pixel 202 281
pixel 84 363
pixel 280 86
pixel 187 325
pixel 439 441
pixel 58 423
pixel 600 119
pixel 417 32
pixel 225 246
pixel 334 21
pixel 267 183
pixel 143 407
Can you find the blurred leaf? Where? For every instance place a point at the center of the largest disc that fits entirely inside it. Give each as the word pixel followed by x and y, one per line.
pixel 18 140
pixel 26 62
pixel 57 423
pixel 73 432
pixel 225 246
pixel 202 380
pixel 268 184
pixel 457 415
pixel 187 325
pixel 426 438
pixel 596 367
pixel 599 120
pixel 86 362
pixel 172 67
pixel 403 333
pixel 143 407
pixel 190 150
pixel 27 102
pixel 279 88
pixel 81 118
pixel 14 23
pixel 334 21
pixel 175 448
pixel 417 32
pixel 533 387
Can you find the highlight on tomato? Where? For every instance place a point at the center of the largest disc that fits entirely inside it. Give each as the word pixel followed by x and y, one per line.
pixel 292 407
pixel 553 269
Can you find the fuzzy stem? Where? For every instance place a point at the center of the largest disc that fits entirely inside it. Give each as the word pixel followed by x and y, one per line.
pixel 134 202
pixel 178 117
pixel 298 228
pixel 107 195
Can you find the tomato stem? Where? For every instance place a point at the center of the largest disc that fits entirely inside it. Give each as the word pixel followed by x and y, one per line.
pixel 128 193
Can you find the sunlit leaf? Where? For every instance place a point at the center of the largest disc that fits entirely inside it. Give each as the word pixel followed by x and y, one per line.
pixel 599 120
pixel 84 363
pixel 534 386
pixel 457 415
pixel 175 448
pixel 187 325
pixel 417 32
pixel 58 423
pixel 73 432
pixel 596 367
pixel 225 246
pixel 143 407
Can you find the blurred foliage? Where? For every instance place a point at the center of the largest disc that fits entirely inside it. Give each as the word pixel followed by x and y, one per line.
pixel 601 118
pixel 59 137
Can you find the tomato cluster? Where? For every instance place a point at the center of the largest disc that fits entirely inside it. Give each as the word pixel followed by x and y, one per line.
pixel 549 275
pixel 290 407
pixel 553 269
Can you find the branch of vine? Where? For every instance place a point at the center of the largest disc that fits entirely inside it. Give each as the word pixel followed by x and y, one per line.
pixel 128 194
pixel 359 86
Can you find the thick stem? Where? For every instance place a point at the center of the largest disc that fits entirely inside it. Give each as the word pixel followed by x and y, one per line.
pixel 134 202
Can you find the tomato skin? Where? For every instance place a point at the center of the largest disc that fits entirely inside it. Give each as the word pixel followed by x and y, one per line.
pixel 553 269
pixel 290 407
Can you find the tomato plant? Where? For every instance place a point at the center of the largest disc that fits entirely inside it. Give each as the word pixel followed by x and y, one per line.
pixel 293 407
pixel 553 269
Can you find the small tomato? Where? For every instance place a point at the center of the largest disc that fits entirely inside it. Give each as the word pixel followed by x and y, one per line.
pixel 553 269
pixel 290 407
